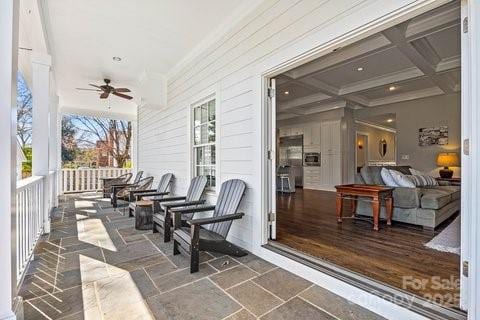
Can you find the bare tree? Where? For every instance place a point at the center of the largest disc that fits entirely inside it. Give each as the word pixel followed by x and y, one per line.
pixel 24 112
pixel 115 134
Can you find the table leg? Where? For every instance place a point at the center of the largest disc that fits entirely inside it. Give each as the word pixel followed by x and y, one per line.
pixel 339 202
pixel 389 203
pixel 376 212
pixel 354 205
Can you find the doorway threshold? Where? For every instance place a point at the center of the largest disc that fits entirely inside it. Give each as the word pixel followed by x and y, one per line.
pixel 400 297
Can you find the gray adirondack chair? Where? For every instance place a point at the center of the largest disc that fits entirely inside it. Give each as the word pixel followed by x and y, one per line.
pixel 210 233
pixel 162 218
pixel 152 194
pixel 115 187
pixel 109 182
pixel 123 192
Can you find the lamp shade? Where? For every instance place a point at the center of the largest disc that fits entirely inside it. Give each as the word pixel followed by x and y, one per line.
pixel 448 159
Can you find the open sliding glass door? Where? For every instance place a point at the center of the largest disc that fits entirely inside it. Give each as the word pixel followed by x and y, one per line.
pixel 272 163
pixel 466 167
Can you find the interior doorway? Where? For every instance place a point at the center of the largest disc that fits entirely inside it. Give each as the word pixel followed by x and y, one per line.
pixel 330 96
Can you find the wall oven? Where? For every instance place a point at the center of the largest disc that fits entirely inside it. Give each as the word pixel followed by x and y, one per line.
pixel 311 159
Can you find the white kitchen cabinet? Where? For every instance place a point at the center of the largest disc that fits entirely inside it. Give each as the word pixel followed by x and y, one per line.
pixel 283 132
pixel 315 134
pixel 296 131
pixel 330 146
pixel 311 134
pixel 307 136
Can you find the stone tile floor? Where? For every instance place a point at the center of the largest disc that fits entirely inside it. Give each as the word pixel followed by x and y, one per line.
pixel 95 265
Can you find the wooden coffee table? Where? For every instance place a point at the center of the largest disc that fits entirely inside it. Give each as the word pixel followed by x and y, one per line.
pixel 376 193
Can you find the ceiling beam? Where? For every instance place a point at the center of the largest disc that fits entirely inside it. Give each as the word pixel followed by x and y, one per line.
pixel 346 55
pixel 437 20
pixel 332 91
pixel 407 74
pixel 291 104
pixel 325 107
pixel 397 36
pixel 406 96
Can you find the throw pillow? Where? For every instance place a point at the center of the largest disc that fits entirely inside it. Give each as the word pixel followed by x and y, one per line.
pixel 423 180
pixel 387 178
pixel 401 179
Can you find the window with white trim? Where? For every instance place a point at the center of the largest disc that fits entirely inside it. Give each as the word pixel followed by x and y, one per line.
pixel 204 141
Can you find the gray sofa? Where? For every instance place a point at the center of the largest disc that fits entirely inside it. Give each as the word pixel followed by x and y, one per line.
pixel 426 207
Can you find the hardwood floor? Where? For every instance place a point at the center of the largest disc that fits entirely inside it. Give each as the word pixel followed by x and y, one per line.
pixel 306 222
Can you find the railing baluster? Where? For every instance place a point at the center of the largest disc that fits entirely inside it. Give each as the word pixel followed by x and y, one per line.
pixel 80 180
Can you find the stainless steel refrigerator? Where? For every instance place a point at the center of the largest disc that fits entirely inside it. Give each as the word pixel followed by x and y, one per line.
pixel 290 157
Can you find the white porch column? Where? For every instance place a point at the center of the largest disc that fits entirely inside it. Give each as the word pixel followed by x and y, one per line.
pixel 40 124
pixel 8 143
pixel 53 143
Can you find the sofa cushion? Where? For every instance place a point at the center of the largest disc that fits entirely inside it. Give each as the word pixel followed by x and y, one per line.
pixel 359 179
pixel 372 175
pixel 406 197
pixel 402 180
pixel 401 169
pixel 387 178
pixel 453 190
pixel 434 198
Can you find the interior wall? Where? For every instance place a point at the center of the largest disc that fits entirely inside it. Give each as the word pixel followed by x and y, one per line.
pixel 374 137
pixel 412 115
pixel 362 149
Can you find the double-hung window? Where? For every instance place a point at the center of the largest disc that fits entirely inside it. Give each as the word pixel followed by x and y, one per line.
pixel 204 140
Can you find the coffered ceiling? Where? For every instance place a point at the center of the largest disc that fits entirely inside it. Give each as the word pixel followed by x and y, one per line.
pixel 416 59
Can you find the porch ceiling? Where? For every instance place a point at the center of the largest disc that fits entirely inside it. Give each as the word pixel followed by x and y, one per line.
pixel 148 35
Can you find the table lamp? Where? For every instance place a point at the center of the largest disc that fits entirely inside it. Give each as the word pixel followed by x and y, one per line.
pixel 445 160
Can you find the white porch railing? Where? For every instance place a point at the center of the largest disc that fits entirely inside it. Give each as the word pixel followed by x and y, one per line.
pixel 80 180
pixel 29 219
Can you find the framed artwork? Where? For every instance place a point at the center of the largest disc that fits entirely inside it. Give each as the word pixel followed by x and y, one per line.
pixel 433 136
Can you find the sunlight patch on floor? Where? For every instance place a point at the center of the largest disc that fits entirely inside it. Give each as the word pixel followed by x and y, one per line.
pixel 80 217
pixel 110 292
pixel 83 204
pixel 94 232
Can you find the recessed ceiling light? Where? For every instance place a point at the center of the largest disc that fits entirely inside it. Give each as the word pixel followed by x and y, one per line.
pixel 360 69
pixel 286 92
pixel 117 59
pixel 391 88
pixel 389 120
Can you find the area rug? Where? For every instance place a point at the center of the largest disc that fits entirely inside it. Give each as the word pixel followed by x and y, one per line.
pixel 448 240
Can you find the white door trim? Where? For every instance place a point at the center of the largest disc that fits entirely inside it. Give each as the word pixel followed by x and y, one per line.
pixel 471 154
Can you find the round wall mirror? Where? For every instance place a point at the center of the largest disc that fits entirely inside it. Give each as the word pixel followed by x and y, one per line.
pixel 382 147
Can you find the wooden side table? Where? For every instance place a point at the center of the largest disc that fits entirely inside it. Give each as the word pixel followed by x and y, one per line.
pixel 376 193
pixel 451 181
pixel 144 215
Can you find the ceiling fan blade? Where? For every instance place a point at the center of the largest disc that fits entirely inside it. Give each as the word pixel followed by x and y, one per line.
pixel 94 85
pixel 121 90
pixel 104 95
pixel 122 95
pixel 84 89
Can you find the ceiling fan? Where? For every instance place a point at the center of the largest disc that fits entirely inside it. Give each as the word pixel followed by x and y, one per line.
pixel 106 89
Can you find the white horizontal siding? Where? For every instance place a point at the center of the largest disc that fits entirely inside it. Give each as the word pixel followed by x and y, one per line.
pixel 275 30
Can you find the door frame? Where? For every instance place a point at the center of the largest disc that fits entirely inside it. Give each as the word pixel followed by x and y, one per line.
pixel 470 133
